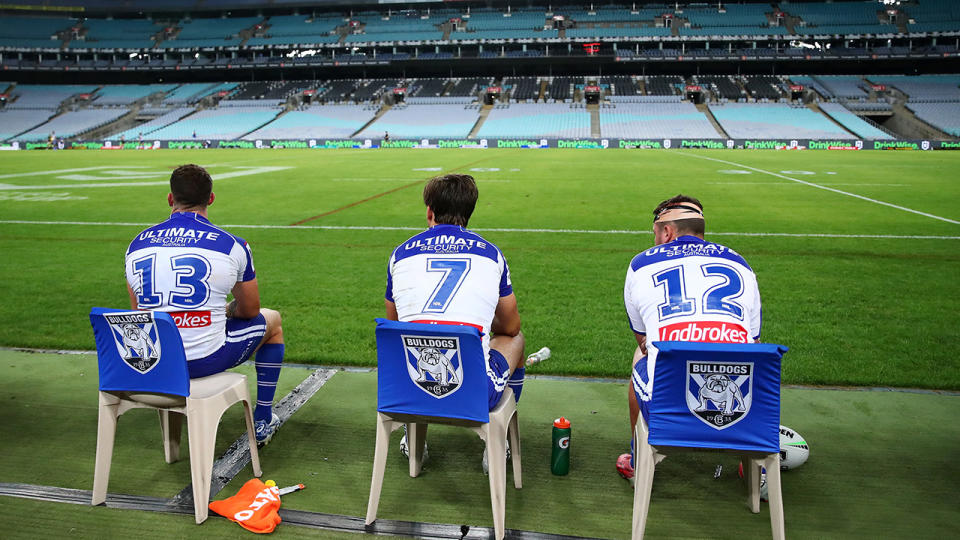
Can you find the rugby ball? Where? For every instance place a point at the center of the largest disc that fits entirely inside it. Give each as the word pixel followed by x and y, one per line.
pixel 794 449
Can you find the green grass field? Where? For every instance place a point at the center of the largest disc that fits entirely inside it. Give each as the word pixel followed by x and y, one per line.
pixel 868 303
pixel 856 254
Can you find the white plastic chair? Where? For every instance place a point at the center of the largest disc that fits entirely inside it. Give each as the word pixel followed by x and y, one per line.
pixel 402 401
pixel 150 372
pixel 675 425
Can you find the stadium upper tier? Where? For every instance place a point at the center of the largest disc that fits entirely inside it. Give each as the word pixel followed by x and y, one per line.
pixel 544 23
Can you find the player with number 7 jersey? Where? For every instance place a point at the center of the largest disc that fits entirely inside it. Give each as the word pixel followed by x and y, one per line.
pixel 186 266
pixel 450 275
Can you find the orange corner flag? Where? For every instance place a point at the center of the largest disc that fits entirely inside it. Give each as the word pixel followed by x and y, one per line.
pixel 254 507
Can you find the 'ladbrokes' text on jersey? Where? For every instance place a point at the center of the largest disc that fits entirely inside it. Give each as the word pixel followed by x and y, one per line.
pixel 186 266
pixel 691 290
pixel 448 274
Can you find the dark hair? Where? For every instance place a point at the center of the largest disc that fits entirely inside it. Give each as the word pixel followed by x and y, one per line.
pixel 191 185
pixel 452 197
pixel 696 226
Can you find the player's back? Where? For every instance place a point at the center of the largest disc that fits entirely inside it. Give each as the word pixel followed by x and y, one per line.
pixel 447 274
pixel 187 266
pixel 693 290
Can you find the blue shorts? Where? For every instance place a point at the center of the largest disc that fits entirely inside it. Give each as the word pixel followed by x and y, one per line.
pixel 243 337
pixel 499 377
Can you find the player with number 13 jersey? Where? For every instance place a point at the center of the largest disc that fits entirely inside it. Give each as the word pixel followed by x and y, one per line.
pixel 186 266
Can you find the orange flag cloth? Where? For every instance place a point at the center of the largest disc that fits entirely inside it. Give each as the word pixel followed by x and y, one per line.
pixel 254 507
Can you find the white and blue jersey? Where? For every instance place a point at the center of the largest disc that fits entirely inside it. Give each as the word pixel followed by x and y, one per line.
pixel 689 290
pixel 186 266
pixel 448 275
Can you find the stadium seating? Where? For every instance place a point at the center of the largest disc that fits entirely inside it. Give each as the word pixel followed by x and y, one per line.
pixel 327 121
pixel 117 34
pixel 72 123
pixel 189 93
pixel 16 121
pixel 221 123
pixel 775 121
pixel 934 16
pixel 655 120
pixel 854 123
pixel 40 96
pixel 126 94
pixel 536 120
pixel 424 121
pixel 166 118
pixel 943 116
pixel 665 85
pixel 923 88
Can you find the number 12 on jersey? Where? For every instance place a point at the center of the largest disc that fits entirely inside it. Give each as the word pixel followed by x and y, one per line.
pixel 454 272
pixel 717 299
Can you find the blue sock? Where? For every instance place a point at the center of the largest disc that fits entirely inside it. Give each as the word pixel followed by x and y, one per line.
pixel 268 361
pixel 516 382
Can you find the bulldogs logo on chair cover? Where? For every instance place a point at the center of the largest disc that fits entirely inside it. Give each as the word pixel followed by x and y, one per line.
pixel 719 393
pixel 136 338
pixel 434 364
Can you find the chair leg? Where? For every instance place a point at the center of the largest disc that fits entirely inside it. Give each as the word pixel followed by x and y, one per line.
pixel 416 442
pixel 384 427
pixel 202 431
pixel 775 495
pixel 171 428
pixel 644 464
pixel 106 431
pixel 496 458
pixel 751 475
pixel 514 434
pixel 251 438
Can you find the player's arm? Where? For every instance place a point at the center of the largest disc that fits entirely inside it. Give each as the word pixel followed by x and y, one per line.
pixel 246 300
pixel 133 298
pixel 641 342
pixel 391 309
pixel 506 318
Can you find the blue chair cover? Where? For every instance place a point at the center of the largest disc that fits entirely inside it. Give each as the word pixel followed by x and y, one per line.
pixel 139 351
pixel 431 370
pixel 716 395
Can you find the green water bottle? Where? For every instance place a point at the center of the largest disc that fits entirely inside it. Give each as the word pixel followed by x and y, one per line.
pixel 560 456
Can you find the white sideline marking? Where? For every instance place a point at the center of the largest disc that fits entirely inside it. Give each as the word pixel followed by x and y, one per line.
pixel 244 171
pixel 481 229
pixel 782 184
pixel 819 186
pixel 42 173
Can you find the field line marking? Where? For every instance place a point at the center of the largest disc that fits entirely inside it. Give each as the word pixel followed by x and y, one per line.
pixel 355 203
pixel 818 186
pixel 378 195
pixel 244 171
pixel 58 171
pixel 238 455
pixel 486 229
